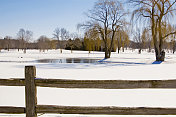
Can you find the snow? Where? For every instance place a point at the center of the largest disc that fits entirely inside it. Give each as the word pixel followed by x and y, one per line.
pixel 125 66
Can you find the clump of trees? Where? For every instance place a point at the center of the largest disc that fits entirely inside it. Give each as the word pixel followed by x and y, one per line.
pixel 92 41
pixel 74 44
pixel 45 43
pixel 107 21
pixel 8 43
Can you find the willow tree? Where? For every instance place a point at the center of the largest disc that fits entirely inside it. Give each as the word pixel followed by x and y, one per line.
pixel 107 17
pixel 158 13
pixel 91 39
pixel 121 40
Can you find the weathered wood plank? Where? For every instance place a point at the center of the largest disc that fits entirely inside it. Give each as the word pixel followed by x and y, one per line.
pixel 102 84
pixel 30 91
pixel 12 82
pixel 106 84
pixel 105 110
pixel 12 110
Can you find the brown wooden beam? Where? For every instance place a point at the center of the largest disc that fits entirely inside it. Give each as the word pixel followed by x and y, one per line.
pixel 12 110
pixel 106 84
pixel 91 110
pixel 12 82
pixel 100 84
pixel 105 110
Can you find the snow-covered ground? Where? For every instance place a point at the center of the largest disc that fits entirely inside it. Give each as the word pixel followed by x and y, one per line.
pixel 125 66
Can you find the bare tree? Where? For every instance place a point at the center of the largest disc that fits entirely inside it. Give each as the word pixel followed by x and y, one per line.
pixel 21 38
pixel 64 36
pixel 158 13
pixel 107 17
pixel 61 34
pixel 139 40
pixel 24 37
pixel 28 37
pixel 57 34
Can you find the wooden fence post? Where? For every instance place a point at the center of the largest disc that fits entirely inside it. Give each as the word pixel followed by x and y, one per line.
pixel 30 91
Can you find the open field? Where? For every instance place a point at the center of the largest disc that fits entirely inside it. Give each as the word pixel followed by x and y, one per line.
pixel 124 66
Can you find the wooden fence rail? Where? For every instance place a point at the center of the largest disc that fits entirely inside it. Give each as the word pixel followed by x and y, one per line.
pixel 100 84
pixel 31 82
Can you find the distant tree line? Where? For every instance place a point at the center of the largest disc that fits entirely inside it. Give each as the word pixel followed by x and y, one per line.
pixel 91 41
pixel 88 43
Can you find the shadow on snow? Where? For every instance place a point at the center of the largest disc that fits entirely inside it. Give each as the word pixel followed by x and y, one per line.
pixel 99 64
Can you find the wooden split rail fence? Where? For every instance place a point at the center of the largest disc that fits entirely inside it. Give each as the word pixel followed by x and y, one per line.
pixel 32 109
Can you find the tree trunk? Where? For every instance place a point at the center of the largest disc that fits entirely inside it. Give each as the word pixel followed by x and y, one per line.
pixel 160 56
pixel 140 51
pixel 173 47
pixel 173 50
pixel 71 50
pixel 118 50
pixel 149 49
pixel 8 48
pixel 25 51
pixel 107 53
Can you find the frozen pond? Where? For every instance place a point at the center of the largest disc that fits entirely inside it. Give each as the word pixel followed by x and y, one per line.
pixel 68 60
pixel 62 60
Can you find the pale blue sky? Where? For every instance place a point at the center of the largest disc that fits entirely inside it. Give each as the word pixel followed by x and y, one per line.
pixel 41 16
